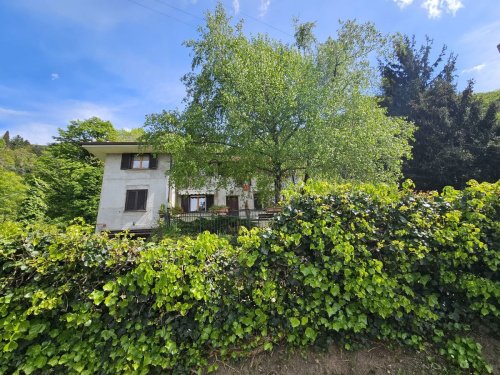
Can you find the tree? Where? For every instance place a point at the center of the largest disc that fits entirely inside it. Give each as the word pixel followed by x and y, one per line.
pixel 71 187
pixel 68 143
pixel 12 192
pixel 34 207
pixel 455 139
pixel 67 179
pixel 409 72
pixel 17 155
pixel 257 107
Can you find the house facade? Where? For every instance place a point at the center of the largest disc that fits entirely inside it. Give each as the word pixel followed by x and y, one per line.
pixel 136 186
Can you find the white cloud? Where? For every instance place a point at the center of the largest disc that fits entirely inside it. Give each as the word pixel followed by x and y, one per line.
pixel 487 32
pixel 435 8
pixel 479 47
pixel 8 112
pixel 39 133
pixel 39 124
pixel 236 6
pixel 476 68
pixel 453 6
pixel 96 15
pixel 403 3
pixel 54 76
pixel 264 6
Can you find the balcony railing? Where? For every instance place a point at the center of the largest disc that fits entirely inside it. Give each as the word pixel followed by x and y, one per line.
pixel 220 223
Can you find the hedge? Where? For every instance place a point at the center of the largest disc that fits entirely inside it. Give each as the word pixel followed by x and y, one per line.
pixel 341 264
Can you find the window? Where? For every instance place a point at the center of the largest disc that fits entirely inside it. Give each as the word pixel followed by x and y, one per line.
pixel 257 201
pixel 135 200
pixel 195 203
pixel 139 161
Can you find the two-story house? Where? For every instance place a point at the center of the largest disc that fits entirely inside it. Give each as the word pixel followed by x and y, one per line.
pixel 136 185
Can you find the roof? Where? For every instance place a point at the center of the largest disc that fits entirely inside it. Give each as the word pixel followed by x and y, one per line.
pixel 101 149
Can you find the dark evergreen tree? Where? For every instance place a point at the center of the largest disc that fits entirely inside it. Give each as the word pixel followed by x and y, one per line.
pixel 456 138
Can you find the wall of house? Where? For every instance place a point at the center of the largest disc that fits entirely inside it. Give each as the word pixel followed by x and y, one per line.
pixel 112 215
pixel 245 198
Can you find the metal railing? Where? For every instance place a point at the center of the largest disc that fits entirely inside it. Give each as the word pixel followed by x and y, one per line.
pixel 220 223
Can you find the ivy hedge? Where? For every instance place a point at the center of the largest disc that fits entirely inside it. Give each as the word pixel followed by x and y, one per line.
pixel 340 264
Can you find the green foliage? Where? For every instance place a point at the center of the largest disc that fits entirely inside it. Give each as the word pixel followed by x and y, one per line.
pixel 458 133
pixel 487 98
pixel 257 107
pixel 68 143
pixel 12 193
pixel 467 353
pixel 34 206
pixel 17 155
pixel 71 187
pixel 66 179
pixel 340 263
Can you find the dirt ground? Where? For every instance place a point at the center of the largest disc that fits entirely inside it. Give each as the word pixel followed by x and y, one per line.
pixel 376 360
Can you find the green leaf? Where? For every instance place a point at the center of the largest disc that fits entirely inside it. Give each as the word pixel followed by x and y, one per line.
pixel 294 322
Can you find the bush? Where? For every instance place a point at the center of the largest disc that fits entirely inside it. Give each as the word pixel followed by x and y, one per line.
pixel 343 264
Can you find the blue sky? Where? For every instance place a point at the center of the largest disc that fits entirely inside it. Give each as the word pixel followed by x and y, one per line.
pixel 122 59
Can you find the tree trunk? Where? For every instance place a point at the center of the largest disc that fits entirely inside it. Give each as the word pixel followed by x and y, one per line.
pixel 278 177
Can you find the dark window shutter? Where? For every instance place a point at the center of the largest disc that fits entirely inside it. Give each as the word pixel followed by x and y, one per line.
pixel 142 196
pixel 210 200
pixel 126 159
pixel 129 200
pixel 185 203
pixel 153 161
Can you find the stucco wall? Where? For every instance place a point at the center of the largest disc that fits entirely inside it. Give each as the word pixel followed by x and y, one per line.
pixel 245 198
pixel 112 214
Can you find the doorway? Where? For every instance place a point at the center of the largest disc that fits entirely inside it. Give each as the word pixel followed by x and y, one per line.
pixel 232 203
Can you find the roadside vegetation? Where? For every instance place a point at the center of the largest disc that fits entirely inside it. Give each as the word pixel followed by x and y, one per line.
pixel 340 264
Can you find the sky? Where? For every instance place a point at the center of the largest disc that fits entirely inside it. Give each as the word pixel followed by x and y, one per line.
pixel 121 60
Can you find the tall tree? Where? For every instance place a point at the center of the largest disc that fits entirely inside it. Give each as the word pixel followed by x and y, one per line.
pixel 66 176
pixel 455 137
pixel 68 142
pixel 257 107
pixel 410 71
pixel 34 207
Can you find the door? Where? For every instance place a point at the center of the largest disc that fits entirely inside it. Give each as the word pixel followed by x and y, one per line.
pixel 232 203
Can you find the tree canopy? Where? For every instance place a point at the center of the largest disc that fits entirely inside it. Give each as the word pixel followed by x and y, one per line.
pixel 12 192
pixel 66 180
pixel 257 107
pixel 458 132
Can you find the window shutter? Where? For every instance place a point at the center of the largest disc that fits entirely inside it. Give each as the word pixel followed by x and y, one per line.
pixel 153 161
pixel 142 196
pixel 210 200
pixel 129 200
pixel 126 158
pixel 185 203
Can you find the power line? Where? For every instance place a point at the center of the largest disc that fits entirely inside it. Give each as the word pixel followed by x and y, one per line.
pixel 161 13
pixel 201 18
pixel 266 24
pixel 179 9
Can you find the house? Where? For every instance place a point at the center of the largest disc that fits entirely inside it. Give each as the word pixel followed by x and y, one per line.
pixel 136 186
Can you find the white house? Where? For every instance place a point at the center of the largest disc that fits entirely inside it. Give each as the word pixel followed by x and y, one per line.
pixel 135 186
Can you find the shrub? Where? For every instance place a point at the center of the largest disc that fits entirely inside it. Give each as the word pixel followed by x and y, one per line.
pixel 344 264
